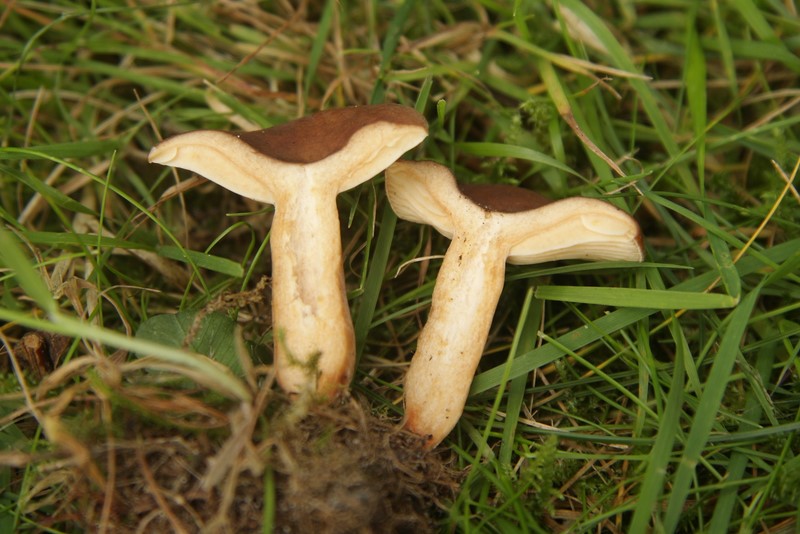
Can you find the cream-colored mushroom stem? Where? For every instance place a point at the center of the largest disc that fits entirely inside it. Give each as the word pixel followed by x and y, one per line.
pixel 314 340
pixel 469 284
pixel 450 346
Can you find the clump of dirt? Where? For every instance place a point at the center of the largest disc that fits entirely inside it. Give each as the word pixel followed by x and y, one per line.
pixel 329 469
pixel 346 471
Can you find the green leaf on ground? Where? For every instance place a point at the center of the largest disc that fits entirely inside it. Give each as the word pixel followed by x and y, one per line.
pixel 212 335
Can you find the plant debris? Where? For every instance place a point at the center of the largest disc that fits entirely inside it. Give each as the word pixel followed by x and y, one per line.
pixel 298 465
pixel 40 352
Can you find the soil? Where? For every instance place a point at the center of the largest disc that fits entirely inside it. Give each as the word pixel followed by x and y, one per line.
pixel 318 469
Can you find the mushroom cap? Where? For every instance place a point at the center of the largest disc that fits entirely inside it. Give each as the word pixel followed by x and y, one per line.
pixel 339 148
pixel 533 229
pixel 503 198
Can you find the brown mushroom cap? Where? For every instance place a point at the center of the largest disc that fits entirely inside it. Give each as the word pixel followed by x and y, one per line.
pixel 318 136
pixel 337 148
pixel 535 229
pixel 503 198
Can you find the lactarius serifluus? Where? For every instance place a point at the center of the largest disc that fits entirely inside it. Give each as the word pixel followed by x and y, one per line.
pixel 488 225
pixel 300 167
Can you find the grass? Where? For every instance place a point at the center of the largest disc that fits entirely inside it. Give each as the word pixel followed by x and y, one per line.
pixel 662 396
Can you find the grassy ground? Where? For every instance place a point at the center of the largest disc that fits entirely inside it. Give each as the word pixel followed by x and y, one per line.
pixel 612 398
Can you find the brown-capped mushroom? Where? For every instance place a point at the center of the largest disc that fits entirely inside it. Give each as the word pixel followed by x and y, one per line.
pixel 488 225
pixel 300 167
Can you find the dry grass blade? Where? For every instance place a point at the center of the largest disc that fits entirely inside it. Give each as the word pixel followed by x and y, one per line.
pixel 564 108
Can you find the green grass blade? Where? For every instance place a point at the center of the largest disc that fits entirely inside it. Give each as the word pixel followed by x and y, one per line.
pixel 78 149
pixel 393 33
pixel 12 257
pixel 728 497
pixel 754 17
pixel 269 513
pixel 615 321
pixel 724 46
pixel 374 280
pixel 727 269
pixel 695 81
pixel 762 50
pixel 51 194
pixel 524 336
pixel 696 84
pixel 500 150
pixel 637 298
pixel 708 406
pixel 64 240
pixel 318 45
pixel 202 259
pixel 548 353
pixel 661 452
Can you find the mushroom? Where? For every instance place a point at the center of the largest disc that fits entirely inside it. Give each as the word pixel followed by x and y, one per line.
pixel 300 167
pixel 488 225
